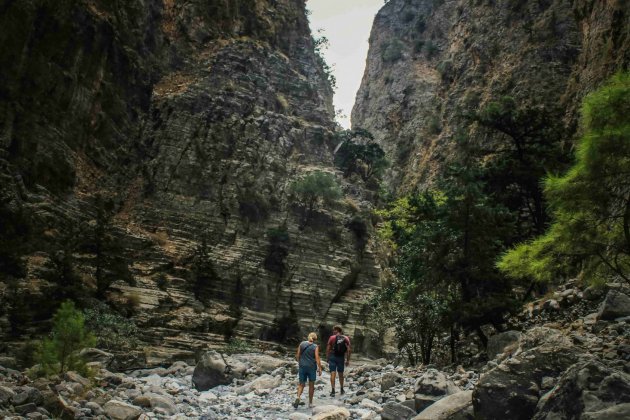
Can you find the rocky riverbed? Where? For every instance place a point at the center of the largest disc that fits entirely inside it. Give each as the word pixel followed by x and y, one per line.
pixel 572 361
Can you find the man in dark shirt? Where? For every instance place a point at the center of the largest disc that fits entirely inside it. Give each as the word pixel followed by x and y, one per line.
pixel 308 358
pixel 337 350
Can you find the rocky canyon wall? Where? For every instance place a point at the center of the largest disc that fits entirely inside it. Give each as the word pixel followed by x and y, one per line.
pixel 431 63
pixel 191 119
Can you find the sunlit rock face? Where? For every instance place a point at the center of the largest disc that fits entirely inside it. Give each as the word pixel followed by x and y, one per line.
pixel 432 63
pixel 195 117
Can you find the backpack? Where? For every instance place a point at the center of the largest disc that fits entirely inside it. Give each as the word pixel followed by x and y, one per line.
pixel 340 346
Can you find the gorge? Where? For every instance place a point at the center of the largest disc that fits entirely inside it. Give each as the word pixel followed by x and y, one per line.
pixel 154 156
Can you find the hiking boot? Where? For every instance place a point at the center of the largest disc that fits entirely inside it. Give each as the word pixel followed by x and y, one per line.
pixel 342 391
pixel 332 393
pixel 296 403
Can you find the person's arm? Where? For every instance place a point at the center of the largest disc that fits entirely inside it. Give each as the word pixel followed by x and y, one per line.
pixel 297 353
pixel 318 360
pixel 348 352
pixel 328 349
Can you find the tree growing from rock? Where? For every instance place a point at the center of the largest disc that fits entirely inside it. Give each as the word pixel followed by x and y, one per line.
pixel 203 273
pixel 313 190
pixel 590 203
pixel 359 153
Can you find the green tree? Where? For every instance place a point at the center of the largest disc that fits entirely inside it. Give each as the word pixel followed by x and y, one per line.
pixel 203 273
pixel 447 241
pixel 109 253
pixel 60 352
pixel 530 146
pixel 590 203
pixel 314 189
pixel 359 153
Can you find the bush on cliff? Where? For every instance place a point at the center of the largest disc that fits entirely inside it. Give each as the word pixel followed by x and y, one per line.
pixel 359 153
pixel 590 203
pixel 314 189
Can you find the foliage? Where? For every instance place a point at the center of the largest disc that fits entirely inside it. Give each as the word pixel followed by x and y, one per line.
pixel 416 319
pixel 313 189
pixel 392 51
pixel 108 249
pixel 113 331
pixel 161 281
pixel 320 44
pixel 60 352
pixel 236 346
pixel 278 250
pixel 590 203
pixel 203 274
pixel 529 149
pixel 359 153
pixel 13 229
pixel 447 240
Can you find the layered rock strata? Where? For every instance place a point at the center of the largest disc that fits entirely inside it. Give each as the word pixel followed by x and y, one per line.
pixel 432 63
pixel 194 118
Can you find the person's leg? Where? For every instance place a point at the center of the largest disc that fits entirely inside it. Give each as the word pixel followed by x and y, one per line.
pixel 333 374
pixel 311 392
pixel 341 381
pixel 301 383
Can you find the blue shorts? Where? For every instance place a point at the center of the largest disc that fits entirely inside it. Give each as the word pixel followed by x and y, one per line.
pixel 336 363
pixel 305 373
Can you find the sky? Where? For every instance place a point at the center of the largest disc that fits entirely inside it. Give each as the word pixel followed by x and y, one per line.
pixel 347 25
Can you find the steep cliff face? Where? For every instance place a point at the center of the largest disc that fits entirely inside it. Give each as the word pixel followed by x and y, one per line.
pixel 433 62
pixel 192 118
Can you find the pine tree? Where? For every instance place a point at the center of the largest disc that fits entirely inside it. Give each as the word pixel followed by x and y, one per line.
pixel 590 203
pixel 60 352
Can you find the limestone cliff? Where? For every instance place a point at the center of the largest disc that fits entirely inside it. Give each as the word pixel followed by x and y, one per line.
pixel 192 118
pixel 432 62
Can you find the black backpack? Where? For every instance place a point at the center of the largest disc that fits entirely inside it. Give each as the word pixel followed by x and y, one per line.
pixel 340 346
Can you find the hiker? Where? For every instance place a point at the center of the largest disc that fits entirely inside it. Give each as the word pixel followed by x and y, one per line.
pixel 337 350
pixel 308 358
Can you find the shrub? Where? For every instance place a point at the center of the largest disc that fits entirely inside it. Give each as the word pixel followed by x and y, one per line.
pixel 236 346
pixel 277 251
pixel 431 49
pixel 392 51
pixel 161 281
pixel 113 331
pixel 315 188
pixel 60 352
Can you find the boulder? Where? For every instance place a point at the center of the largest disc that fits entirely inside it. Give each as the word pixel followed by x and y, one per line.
pixel 396 411
pixel 498 343
pixel 213 369
pixel 453 407
pixel 588 390
pixel 153 401
pixel 389 380
pixel 431 386
pixel 96 355
pixel 261 363
pixel 6 394
pixel 330 413
pixel 75 377
pixel 433 382
pixel 118 410
pixel 616 305
pixel 512 388
pixel 371 405
pixel 260 383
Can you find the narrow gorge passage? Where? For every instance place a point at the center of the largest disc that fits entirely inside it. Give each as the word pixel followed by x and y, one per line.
pixel 183 201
